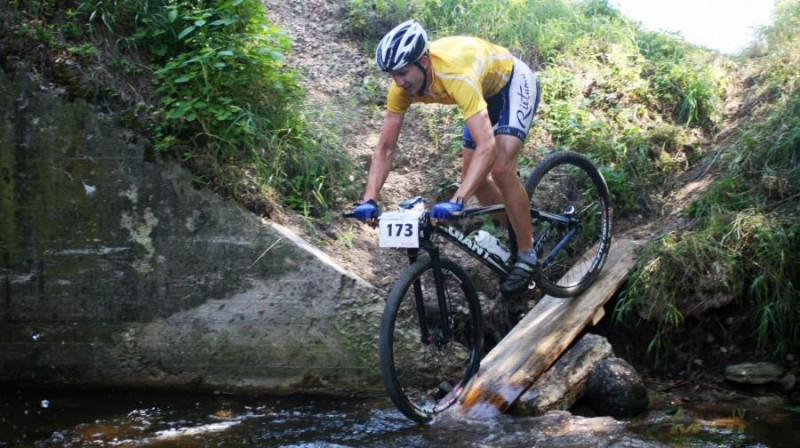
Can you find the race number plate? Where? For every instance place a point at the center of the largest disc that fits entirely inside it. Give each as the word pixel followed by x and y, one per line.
pixel 399 228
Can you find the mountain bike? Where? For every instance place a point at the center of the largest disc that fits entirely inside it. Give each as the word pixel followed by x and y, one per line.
pixel 431 337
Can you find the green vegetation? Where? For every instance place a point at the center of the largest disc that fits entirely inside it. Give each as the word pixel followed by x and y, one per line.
pixel 221 95
pixel 745 242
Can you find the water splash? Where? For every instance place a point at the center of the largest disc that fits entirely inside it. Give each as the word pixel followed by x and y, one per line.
pixel 176 433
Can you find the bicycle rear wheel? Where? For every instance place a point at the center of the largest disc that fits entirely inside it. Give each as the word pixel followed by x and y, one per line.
pixel 573 244
pixel 423 370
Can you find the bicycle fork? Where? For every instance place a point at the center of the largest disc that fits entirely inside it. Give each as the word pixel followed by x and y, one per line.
pixel 425 334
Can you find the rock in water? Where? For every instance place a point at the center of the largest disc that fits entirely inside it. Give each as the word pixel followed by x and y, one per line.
pixel 754 373
pixel 615 389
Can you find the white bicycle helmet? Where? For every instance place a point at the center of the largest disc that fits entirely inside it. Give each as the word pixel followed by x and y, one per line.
pixel 402 46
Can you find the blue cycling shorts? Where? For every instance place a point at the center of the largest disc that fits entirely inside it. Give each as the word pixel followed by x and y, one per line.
pixel 511 110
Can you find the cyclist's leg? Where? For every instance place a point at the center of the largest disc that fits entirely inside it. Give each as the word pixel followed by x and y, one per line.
pixel 520 101
pixel 504 173
pixel 487 192
pixel 521 96
pixel 511 111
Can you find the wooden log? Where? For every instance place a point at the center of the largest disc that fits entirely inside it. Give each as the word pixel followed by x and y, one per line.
pixel 565 382
pixel 534 344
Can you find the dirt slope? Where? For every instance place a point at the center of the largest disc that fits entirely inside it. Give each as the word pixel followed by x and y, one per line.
pixel 345 88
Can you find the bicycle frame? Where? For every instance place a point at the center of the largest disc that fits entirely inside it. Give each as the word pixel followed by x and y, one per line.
pixel 460 240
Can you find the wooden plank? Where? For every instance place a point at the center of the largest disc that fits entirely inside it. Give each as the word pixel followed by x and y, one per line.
pixel 598 316
pixel 537 341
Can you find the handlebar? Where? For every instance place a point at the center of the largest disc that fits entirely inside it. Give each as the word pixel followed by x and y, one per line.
pixel 427 214
pixel 407 204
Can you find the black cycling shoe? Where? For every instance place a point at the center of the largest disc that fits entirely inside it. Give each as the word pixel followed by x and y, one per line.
pixel 519 278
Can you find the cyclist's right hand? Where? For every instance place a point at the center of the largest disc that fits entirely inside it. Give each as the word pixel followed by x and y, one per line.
pixel 367 211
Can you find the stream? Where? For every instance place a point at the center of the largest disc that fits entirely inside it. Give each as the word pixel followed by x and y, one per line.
pixel 78 418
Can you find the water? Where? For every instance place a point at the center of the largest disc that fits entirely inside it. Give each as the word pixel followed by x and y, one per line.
pixel 75 418
pixel 130 419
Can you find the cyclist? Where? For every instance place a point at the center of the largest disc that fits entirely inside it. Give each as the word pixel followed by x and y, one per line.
pixel 498 96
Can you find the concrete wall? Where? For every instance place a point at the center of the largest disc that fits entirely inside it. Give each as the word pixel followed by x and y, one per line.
pixel 116 271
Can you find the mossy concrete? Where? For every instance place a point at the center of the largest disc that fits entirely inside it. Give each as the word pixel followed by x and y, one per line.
pixel 116 271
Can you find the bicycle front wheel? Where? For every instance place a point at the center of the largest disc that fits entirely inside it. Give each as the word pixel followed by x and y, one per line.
pixel 426 360
pixel 573 235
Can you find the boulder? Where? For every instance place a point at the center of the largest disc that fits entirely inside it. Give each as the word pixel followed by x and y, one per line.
pixel 615 389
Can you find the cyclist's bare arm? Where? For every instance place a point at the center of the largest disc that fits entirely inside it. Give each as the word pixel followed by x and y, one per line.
pixel 383 155
pixel 480 127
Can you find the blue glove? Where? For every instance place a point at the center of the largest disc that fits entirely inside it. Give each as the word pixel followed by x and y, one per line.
pixel 443 210
pixel 366 210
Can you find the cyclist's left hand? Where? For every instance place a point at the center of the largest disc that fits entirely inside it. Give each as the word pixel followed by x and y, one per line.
pixel 444 210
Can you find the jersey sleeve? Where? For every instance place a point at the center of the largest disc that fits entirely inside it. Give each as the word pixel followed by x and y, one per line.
pixel 397 100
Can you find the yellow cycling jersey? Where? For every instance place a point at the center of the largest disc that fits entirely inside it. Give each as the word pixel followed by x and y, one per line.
pixel 465 71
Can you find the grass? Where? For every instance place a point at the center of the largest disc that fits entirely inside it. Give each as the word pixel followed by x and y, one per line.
pixel 745 244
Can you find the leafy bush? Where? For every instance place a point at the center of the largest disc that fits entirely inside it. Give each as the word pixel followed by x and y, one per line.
pixel 226 82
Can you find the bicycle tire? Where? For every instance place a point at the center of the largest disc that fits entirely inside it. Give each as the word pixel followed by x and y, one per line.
pixel 423 378
pixel 559 181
